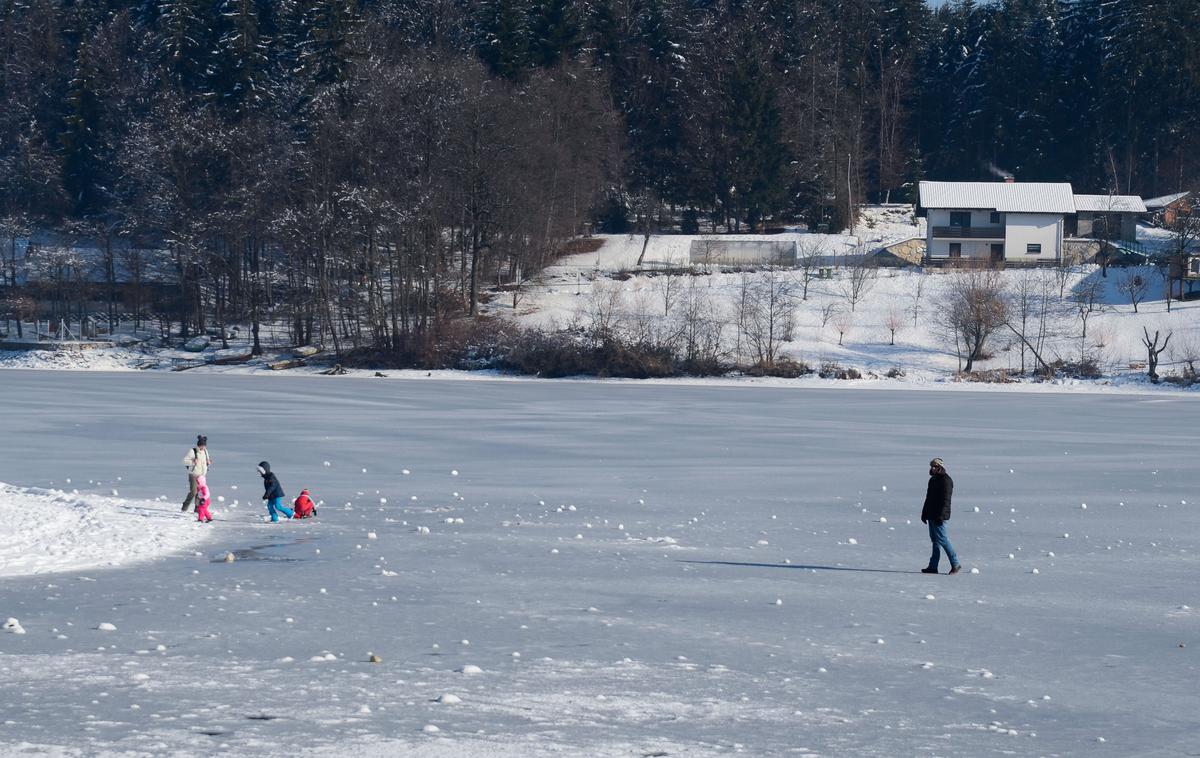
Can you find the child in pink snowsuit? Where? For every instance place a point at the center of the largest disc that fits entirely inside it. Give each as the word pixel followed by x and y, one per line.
pixel 203 499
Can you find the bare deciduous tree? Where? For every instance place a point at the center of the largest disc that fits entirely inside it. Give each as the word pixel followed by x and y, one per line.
pixel 768 315
pixel 860 277
pixel 843 322
pixel 1187 352
pixel 670 281
pixel 973 308
pixel 810 252
pixel 828 310
pixel 1134 286
pixel 894 320
pixel 605 311
pixel 1153 350
pixel 918 289
pixel 1087 299
pixel 1063 269
pixel 701 328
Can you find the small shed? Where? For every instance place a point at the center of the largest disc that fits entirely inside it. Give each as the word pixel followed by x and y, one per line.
pixel 1107 217
pixel 1165 210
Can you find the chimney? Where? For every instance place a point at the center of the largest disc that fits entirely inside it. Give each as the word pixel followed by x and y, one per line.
pixel 1009 179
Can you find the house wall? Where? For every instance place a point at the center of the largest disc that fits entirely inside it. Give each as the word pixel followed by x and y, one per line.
pixel 1090 223
pixel 1023 229
pixel 941 217
pixel 1129 227
pixel 940 248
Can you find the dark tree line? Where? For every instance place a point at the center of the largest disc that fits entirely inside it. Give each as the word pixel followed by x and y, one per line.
pixel 361 169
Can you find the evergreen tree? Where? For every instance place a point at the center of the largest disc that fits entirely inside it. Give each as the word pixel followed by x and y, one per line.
pixel 554 32
pixel 757 154
pixel 330 42
pixel 504 38
pixel 239 73
pixel 83 160
pixel 186 40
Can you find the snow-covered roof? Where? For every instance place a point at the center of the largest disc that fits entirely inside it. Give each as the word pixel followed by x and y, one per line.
pixel 1157 203
pixel 1005 197
pixel 1110 203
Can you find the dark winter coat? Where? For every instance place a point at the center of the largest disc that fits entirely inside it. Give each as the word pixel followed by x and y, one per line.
pixel 271 487
pixel 937 498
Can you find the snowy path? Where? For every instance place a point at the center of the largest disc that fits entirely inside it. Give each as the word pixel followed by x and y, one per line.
pixel 616 573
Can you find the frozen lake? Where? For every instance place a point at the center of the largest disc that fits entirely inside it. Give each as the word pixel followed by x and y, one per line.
pixel 639 571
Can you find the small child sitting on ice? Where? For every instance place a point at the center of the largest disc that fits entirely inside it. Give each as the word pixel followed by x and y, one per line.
pixel 202 500
pixel 303 506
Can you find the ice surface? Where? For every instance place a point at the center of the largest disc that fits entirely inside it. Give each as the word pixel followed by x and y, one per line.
pixel 629 644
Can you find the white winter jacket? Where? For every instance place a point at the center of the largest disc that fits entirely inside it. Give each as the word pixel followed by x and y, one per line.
pixel 197 461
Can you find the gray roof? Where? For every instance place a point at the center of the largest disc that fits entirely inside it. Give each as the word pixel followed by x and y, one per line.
pixel 1110 203
pixel 1005 197
pixel 1156 203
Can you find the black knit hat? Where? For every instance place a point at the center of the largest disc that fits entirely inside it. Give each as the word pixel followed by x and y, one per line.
pixel 201 439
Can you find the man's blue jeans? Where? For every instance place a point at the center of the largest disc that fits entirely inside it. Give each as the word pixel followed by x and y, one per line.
pixel 937 535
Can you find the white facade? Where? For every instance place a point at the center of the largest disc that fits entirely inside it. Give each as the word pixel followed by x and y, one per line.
pixel 995 221
pixel 1033 237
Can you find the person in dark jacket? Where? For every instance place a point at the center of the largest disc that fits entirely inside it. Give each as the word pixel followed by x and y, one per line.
pixel 273 493
pixel 936 513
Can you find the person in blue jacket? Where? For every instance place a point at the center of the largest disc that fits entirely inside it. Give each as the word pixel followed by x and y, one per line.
pixel 273 493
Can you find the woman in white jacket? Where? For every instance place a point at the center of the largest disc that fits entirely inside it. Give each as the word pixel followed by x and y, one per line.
pixel 197 462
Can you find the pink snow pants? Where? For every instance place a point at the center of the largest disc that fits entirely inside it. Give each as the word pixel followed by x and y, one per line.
pixel 202 499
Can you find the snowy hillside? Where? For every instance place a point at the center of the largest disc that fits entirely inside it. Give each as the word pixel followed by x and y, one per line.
pixel 827 327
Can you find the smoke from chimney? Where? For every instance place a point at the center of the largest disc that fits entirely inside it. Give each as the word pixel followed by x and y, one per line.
pixel 1003 174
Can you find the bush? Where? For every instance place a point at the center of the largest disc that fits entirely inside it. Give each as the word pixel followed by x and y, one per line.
pixel 706 366
pixel 993 376
pixel 559 354
pixel 834 370
pixel 463 343
pixel 1088 368
pixel 895 372
pixel 784 367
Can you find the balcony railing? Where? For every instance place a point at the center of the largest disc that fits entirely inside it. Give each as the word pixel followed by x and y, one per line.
pixel 970 232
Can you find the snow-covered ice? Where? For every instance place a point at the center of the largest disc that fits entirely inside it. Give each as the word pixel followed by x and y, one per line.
pixel 629 644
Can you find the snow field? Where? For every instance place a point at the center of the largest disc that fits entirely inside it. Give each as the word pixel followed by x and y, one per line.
pixel 48 530
pixel 639 570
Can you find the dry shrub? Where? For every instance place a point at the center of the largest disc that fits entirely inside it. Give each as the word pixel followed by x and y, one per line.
pixel 785 368
pixel 991 376
pixel 834 370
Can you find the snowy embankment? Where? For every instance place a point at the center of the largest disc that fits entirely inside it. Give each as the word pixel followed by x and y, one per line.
pixel 52 530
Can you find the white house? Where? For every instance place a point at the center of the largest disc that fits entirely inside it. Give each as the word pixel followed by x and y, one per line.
pixel 1013 222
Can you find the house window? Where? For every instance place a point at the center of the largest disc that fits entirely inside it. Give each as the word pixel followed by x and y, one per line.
pixel 996 218
pixel 1033 248
pixel 960 218
pixel 955 249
